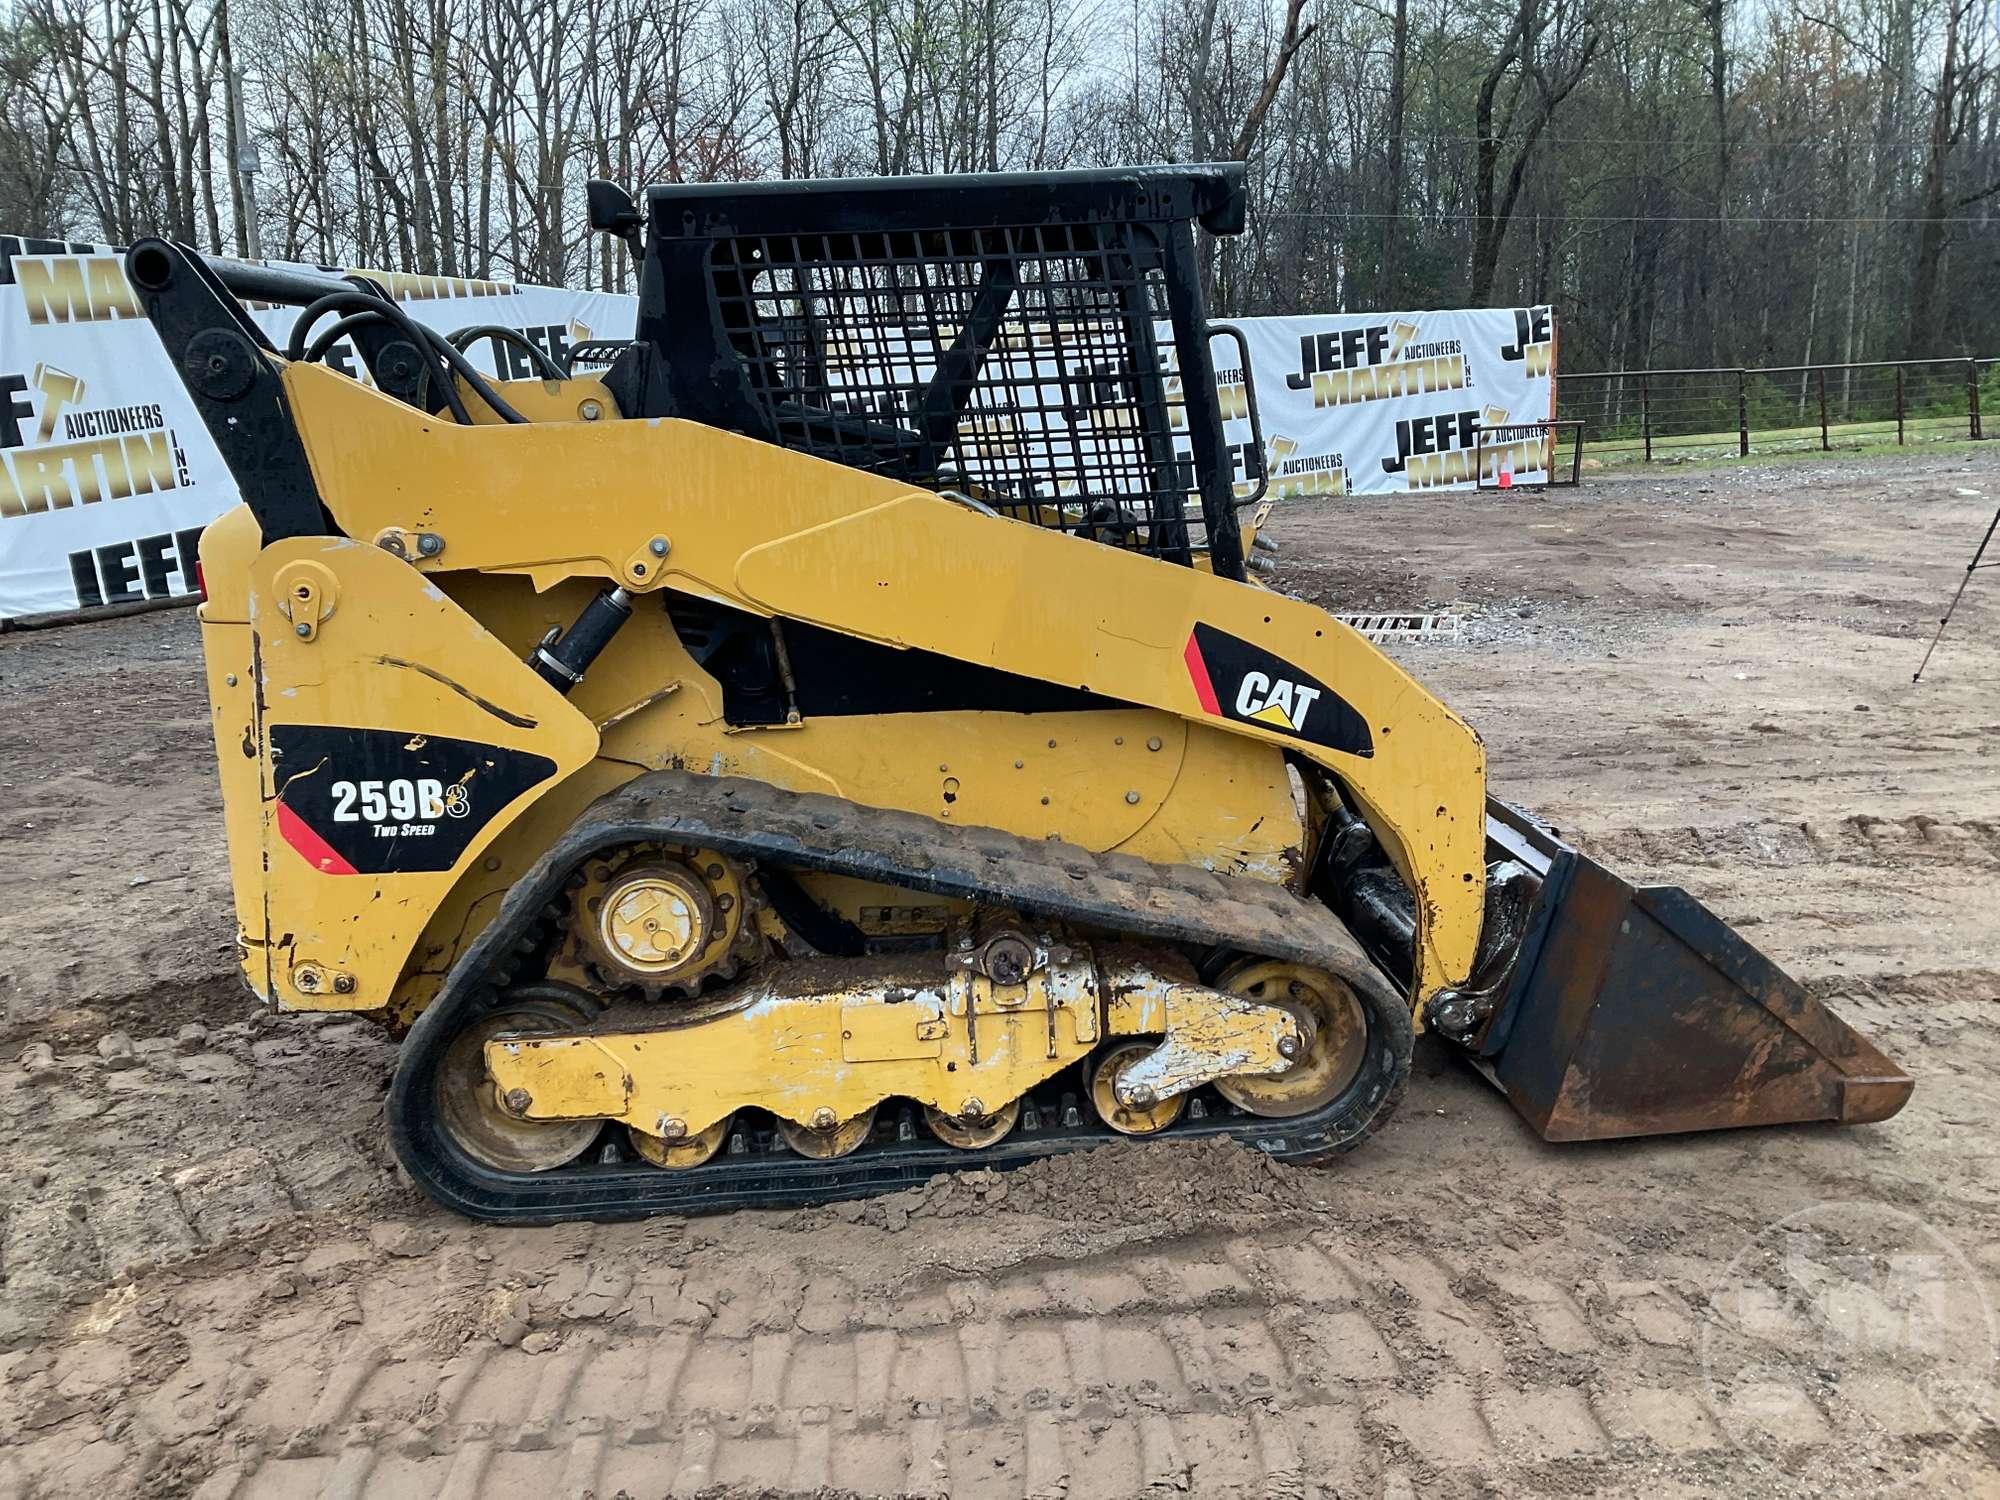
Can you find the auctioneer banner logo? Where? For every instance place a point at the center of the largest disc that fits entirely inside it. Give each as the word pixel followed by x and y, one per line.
pixel 107 473
pixel 1377 403
pixel 1373 362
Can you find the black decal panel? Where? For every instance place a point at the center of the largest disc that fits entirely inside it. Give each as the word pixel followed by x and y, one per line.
pixel 1237 680
pixel 838 675
pixel 375 801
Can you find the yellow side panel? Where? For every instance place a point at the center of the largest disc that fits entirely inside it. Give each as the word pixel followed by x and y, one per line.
pixel 664 503
pixel 1118 623
pixel 230 653
pixel 1202 795
pixel 398 739
pixel 582 399
pixel 1231 810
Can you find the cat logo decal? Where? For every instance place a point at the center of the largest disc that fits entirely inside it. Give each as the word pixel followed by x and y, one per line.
pixel 1281 704
pixel 1234 679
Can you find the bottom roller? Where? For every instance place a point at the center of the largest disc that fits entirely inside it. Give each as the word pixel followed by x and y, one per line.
pixel 1604 1009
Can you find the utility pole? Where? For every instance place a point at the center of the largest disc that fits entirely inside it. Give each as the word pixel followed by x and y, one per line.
pixel 246 165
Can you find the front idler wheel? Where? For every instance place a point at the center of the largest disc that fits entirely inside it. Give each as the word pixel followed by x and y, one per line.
pixel 1333 1028
pixel 469 1105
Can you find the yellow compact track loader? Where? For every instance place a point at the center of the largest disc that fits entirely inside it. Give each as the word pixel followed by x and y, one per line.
pixel 841 743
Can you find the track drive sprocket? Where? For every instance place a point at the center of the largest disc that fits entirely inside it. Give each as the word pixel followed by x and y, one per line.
pixel 660 921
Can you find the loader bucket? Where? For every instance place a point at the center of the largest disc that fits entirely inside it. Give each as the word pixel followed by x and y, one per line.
pixel 1634 1010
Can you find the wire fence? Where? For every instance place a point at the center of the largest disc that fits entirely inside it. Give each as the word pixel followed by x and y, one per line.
pixel 1676 415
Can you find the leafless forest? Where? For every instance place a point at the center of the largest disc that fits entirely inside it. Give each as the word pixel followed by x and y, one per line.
pixel 1691 181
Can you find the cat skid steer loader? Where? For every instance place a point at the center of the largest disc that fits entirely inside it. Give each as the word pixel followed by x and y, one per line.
pixel 841 743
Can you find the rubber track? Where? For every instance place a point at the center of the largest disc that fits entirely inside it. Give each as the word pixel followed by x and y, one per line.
pixel 753 820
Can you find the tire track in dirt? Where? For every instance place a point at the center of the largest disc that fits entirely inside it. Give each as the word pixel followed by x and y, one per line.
pixel 1858 838
pixel 1314 1358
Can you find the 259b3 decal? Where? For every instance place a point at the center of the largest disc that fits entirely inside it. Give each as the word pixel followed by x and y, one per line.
pixel 383 801
pixel 392 806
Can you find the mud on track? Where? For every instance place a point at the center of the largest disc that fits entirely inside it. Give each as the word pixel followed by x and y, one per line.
pixel 212 1281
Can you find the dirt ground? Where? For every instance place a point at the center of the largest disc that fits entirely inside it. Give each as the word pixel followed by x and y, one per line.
pixel 212 1281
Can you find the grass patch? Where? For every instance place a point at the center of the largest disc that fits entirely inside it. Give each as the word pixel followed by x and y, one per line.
pixel 1787 444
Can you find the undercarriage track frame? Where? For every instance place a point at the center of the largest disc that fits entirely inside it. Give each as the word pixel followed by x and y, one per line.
pixel 1044 878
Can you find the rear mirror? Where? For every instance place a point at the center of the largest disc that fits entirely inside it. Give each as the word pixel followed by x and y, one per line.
pixel 612 210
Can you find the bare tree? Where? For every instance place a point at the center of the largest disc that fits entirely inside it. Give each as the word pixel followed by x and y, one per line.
pixel 1541 60
pixel 1962 73
pixel 1689 180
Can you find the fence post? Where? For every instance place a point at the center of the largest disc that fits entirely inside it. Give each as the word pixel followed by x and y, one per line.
pixel 1824 446
pixel 1899 406
pixel 1742 414
pixel 1646 410
pixel 1972 398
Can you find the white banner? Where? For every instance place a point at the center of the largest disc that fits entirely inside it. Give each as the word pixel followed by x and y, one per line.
pixel 107 475
pixel 1385 403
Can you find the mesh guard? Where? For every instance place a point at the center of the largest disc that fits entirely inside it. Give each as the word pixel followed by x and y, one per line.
pixel 1017 340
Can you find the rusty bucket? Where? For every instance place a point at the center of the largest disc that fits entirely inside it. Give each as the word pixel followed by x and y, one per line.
pixel 1634 1010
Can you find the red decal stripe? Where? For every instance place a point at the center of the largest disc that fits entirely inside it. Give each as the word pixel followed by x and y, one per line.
pixel 1198 670
pixel 318 852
